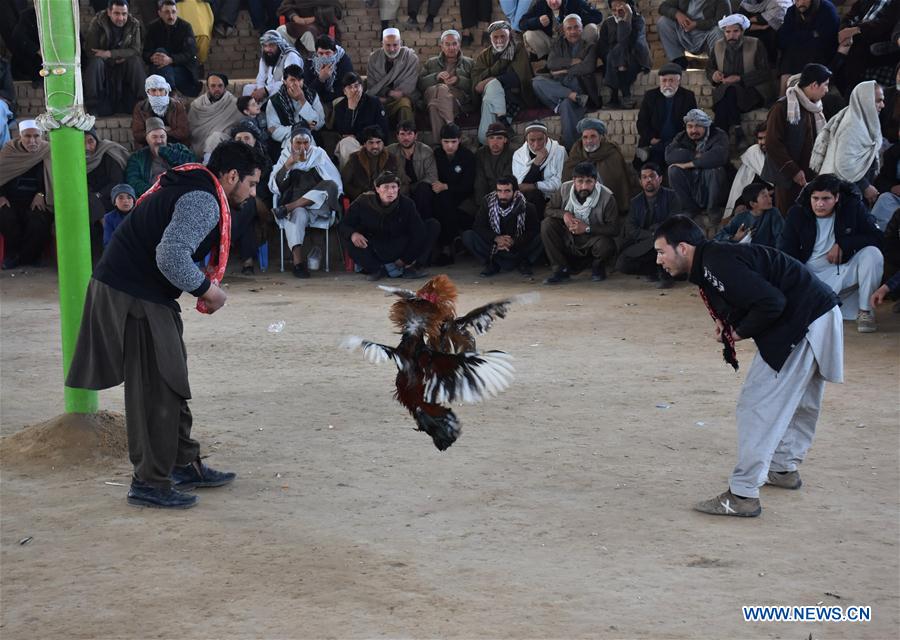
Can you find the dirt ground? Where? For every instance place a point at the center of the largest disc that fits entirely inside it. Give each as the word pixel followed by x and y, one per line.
pixel 563 511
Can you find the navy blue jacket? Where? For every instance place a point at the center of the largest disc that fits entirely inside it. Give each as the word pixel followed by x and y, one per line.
pixel 531 21
pixel 819 34
pixel 762 293
pixel 854 227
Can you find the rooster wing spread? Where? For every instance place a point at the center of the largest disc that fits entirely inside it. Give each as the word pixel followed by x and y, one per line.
pixel 464 377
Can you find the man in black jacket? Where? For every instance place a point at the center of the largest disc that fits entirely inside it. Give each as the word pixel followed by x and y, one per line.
pixel 543 21
pixel 385 234
pixel 753 291
pixel 830 230
pixel 454 205
pixel 170 49
pixel 660 116
pixel 131 329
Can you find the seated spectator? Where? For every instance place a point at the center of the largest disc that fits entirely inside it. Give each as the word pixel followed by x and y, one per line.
pixel 808 34
pixel 170 50
pixel 358 175
pixel 502 76
pixel 263 14
pixel 506 231
pixel 159 104
pixel 25 196
pixel 738 68
pixel 453 204
pixel 306 20
pixel 849 144
pixel 412 10
pixel 387 11
pixel 212 115
pixel 888 183
pixel 689 26
pixel 329 65
pixel 622 45
pixel 145 165
pixel 199 14
pixel 753 162
pixel 25 47
pixel 251 109
pixel 646 212
pixel 122 203
pixel 225 14
pixel 538 166
pixel 353 115
pixel 492 161
pixel 446 83
pixel 797 117
pixel 891 252
pixel 545 18
pixel 830 231
pixel 474 12
pixel 572 83
pixel 584 229
pixel 415 167
pixel 293 104
pixel 105 164
pixel 697 158
pixel 661 115
pixel 276 55
pixel 890 115
pixel 760 224
pixel 254 212
pixel 7 100
pixel 114 74
pixel 384 234
pixel 603 153
pixel 308 187
pixel 868 22
pixel 766 18
pixel 392 74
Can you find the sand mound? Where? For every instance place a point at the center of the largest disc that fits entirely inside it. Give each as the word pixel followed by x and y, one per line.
pixel 68 439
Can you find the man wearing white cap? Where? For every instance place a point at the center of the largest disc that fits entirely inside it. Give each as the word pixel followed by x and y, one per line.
pixel 738 67
pixel 160 104
pixel 538 166
pixel 25 216
pixel 689 25
pixel 391 76
pixel 446 83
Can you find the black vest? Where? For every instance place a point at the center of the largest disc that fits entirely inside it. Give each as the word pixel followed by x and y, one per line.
pixel 129 261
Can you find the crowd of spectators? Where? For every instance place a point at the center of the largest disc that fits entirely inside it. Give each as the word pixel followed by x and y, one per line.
pixel 350 147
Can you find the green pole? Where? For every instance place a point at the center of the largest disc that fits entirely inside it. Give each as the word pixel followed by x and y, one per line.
pixel 59 25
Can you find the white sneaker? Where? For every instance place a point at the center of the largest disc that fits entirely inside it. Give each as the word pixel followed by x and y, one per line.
pixel 865 321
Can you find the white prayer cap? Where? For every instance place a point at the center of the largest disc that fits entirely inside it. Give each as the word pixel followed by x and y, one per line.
pixel 28 124
pixel 390 31
pixel 572 16
pixel 735 18
pixel 452 33
pixel 156 82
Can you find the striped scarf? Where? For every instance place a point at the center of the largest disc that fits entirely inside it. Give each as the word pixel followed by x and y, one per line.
pixel 496 212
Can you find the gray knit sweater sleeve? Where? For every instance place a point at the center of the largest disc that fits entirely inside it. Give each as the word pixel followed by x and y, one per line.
pixel 196 214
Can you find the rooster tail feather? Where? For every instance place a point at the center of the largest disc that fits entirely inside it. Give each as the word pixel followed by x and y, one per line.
pixel 444 429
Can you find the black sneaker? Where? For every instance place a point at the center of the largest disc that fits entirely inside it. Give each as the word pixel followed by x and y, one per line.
pixel 377 275
pixel 598 271
pixel 490 269
pixel 247 270
pixel 412 23
pixel 411 273
pixel 198 476
pixel 429 24
pixel 559 276
pixel 301 270
pixel 144 495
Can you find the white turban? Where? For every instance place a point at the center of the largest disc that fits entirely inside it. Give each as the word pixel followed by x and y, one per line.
pixel 28 124
pixel 156 82
pixel 390 31
pixel 735 18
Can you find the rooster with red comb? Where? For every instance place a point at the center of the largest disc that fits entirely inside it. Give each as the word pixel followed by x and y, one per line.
pixel 436 359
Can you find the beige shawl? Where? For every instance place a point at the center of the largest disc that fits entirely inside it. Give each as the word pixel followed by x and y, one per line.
pixel 208 118
pixel 14 161
pixel 114 149
pixel 404 75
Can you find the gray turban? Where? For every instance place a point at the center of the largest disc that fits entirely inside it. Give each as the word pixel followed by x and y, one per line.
pixel 591 123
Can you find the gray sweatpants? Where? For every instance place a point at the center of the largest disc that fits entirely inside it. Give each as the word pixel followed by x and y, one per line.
pixel 777 410
pixel 676 41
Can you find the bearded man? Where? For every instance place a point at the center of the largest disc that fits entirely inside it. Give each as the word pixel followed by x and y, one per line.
pixel 212 115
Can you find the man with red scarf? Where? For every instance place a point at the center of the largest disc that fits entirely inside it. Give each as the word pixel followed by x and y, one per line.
pixel 131 329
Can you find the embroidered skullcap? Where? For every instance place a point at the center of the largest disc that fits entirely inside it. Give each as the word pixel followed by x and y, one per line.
pixel 390 31
pixel 386 177
pixel 698 116
pixel 591 123
pixel 499 24
pixel 450 32
pixel 156 82
pixel 300 130
pixel 572 16
pixel 28 124
pixel 152 124
pixel 535 126
pixel 735 18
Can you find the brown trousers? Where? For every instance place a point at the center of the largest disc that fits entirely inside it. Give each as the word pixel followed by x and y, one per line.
pixel 566 250
pixel 398 110
pixel 442 108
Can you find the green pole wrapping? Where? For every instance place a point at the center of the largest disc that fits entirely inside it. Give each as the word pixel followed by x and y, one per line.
pixel 58 26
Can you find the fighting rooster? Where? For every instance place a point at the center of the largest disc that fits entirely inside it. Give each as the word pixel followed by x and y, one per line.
pixel 436 359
